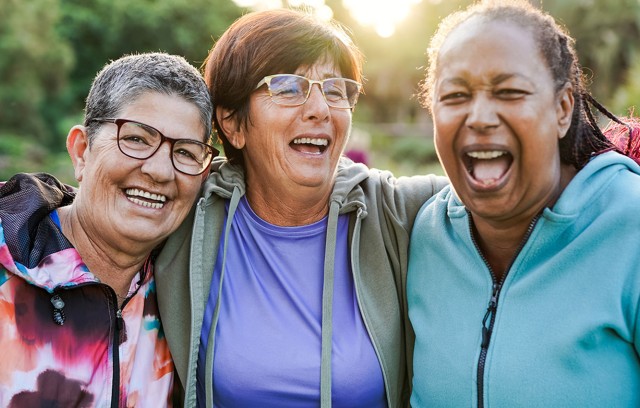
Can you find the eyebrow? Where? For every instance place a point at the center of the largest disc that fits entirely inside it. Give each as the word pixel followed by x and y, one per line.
pixel 503 77
pixel 494 81
pixel 323 75
pixel 146 127
pixel 456 81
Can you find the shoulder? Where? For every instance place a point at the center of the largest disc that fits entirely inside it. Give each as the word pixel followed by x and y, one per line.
pixel 42 183
pixel 383 183
pixel 615 176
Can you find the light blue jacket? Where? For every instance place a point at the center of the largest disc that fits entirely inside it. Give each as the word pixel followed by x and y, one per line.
pixel 566 328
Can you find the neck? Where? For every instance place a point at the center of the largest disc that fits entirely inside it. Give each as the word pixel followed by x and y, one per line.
pixel 115 265
pixel 500 244
pixel 500 241
pixel 287 209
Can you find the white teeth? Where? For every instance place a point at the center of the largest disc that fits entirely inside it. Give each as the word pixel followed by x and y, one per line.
pixel 313 141
pixel 486 155
pixel 133 192
pixel 145 203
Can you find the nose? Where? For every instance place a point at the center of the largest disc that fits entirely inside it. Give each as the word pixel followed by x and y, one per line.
pixel 316 107
pixel 482 113
pixel 159 166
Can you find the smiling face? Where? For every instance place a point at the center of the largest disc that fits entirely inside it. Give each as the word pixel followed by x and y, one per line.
pixel 123 199
pixel 498 120
pixel 293 151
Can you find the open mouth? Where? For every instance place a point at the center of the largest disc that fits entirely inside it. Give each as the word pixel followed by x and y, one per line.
pixel 309 145
pixel 145 198
pixel 487 167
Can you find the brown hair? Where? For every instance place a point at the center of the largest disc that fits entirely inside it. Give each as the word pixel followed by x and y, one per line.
pixel 556 46
pixel 265 43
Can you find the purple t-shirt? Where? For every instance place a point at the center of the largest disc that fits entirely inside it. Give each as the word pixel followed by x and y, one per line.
pixel 268 339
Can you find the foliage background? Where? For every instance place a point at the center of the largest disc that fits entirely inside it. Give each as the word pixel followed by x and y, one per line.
pixel 50 51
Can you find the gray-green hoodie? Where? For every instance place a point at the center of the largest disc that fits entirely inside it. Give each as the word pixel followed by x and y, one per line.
pixel 382 210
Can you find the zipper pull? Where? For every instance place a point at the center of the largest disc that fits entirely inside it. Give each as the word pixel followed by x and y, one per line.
pixel 58 312
pixel 491 308
pixel 122 327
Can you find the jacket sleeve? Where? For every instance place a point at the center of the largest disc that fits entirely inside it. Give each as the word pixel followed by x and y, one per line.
pixel 392 206
pixel 404 196
pixel 173 292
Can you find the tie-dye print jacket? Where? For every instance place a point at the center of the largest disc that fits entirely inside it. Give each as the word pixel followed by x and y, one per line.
pixel 83 352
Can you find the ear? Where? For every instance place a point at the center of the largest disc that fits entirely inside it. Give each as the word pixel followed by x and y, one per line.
pixel 564 109
pixel 231 128
pixel 78 147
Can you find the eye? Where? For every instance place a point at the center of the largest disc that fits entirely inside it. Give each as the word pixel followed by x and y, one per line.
pixel 137 136
pixel 510 93
pixel 134 140
pixel 185 155
pixel 335 91
pixel 289 87
pixel 187 152
pixel 452 98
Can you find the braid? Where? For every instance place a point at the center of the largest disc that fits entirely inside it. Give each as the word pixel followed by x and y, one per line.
pixel 592 140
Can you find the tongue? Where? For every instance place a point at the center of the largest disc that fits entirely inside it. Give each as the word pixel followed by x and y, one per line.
pixel 306 148
pixel 487 171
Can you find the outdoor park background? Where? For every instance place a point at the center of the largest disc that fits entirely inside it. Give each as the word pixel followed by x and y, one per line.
pixel 50 51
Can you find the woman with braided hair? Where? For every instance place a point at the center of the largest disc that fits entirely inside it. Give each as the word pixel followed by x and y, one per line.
pixel 530 293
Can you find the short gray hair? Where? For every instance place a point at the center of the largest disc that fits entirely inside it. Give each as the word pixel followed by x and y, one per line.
pixel 122 81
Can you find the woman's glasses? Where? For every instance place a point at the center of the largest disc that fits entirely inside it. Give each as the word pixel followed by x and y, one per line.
pixel 140 141
pixel 294 90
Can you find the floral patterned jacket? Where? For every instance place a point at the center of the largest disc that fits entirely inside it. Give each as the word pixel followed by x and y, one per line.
pixel 64 341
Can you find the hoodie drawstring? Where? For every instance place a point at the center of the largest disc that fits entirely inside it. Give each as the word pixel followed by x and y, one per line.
pixel 233 206
pixel 327 305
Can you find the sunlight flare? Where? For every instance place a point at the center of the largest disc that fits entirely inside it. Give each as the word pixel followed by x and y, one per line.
pixel 383 15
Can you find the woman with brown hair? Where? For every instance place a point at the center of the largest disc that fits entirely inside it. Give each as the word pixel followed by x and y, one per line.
pixel 296 255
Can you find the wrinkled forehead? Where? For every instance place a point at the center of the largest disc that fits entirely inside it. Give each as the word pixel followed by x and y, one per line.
pixel 477 32
pixel 323 67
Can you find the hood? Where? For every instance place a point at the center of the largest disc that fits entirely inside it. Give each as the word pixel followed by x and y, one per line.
pixel 347 192
pixel 31 245
pixel 591 181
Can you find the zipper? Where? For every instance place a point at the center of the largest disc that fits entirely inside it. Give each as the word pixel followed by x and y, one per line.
pixel 119 337
pixel 492 307
pixel 115 381
pixel 59 318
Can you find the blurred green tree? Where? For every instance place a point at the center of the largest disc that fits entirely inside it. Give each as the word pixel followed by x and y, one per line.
pixel 607 34
pixel 103 30
pixel 34 66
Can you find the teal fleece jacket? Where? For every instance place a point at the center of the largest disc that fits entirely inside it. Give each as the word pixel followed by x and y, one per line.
pixel 564 330
pixel 382 210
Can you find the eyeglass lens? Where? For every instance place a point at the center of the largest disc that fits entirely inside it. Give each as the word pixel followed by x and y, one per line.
pixel 294 90
pixel 141 142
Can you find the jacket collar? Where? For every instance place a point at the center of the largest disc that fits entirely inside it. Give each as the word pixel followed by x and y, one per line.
pixel 347 190
pixel 31 245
